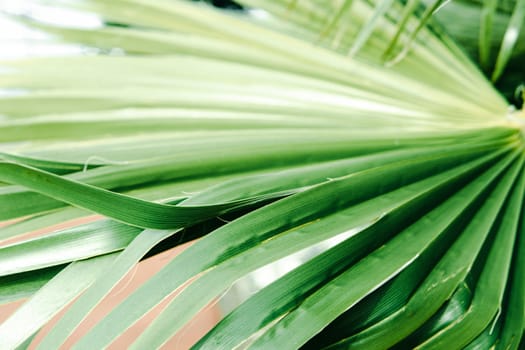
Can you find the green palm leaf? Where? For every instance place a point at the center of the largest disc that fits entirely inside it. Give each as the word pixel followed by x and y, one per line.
pixel 260 134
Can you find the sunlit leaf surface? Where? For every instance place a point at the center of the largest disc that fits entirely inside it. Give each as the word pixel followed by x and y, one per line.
pixel 356 131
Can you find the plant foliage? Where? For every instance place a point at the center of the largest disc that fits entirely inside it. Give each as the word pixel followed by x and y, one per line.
pixel 266 131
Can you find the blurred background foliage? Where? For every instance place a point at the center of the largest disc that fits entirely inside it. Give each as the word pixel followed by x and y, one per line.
pixel 461 20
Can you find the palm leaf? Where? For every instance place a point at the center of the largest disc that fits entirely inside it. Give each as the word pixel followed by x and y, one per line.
pixel 264 132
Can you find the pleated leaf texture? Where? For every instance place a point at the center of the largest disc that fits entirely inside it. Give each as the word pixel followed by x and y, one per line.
pixel 258 133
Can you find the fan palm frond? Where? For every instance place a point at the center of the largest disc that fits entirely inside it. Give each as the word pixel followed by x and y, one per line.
pixel 263 133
